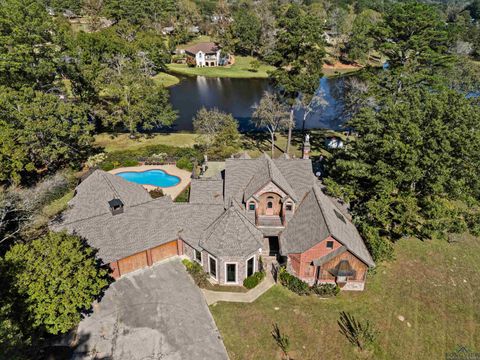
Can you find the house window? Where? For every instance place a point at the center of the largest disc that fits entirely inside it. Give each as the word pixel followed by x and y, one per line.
pixel 250 266
pixel 198 255
pixel 288 207
pixel 231 272
pixel 251 206
pixel 329 244
pixel 269 205
pixel 212 266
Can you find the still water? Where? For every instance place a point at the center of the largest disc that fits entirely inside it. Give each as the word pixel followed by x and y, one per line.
pixel 237 96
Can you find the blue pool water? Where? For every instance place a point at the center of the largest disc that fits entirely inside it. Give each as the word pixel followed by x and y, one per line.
pixel 151 177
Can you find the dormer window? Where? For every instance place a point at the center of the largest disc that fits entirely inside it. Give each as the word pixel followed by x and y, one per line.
pixel 116 206
pixel 251 206
pixel 288 207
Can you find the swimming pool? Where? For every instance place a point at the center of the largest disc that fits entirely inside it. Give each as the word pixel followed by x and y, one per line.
pixel 154 177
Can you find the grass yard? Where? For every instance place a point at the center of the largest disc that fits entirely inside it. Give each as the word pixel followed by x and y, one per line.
pixel 433 285
pixel 197 40
pixel 112 142
pixel 241 69
pixel 165 79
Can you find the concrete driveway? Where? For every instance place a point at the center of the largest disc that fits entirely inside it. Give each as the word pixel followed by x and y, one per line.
pixel 156 313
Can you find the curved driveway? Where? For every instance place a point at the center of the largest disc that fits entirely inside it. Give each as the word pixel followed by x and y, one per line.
pixel 152 314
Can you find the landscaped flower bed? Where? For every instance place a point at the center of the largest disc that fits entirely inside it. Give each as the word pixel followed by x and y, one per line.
pixel 302 288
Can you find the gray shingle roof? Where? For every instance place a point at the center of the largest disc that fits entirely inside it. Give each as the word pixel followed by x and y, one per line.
pixel 138 228
pixel 94 193
pixel 315 219
pixel 194 219
pixel 232 234
pixel 206 191
pixel 293 176
pixel 267 172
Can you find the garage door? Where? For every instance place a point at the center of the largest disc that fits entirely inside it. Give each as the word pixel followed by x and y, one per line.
pixel 164 251
pixel 132 263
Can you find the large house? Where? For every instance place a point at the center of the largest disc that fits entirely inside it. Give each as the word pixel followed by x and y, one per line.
pixel 205 54
pixel 255 211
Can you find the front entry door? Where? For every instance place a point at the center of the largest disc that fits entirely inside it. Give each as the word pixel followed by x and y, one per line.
pixel 273 246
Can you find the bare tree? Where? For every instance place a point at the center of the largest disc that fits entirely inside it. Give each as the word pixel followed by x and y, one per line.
pixel 272 115
pixel 310 105
pixel 20 206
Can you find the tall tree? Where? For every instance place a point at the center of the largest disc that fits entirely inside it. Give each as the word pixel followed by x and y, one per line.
pixel 298 57
pixel 416 156
pixel 55 278
pixel 39 134
pixel 29 56
pixel 271 114
pixel 414 38
pixel 134 101
pixel 218 132
pixel 245 29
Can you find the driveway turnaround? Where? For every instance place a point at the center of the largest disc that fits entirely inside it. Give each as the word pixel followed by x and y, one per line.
pixel 155 313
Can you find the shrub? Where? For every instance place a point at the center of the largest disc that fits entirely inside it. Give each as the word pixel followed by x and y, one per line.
pixel 185 164
pixel 196 272
pixel 282 341
pixel 253 280
pixel 360 334
pixel 254 65
pixel 293 283
pixel 183 196
pixel 156 193
pixel 326 289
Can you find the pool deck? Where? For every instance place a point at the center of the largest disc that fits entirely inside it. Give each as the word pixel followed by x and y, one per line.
pixel 173 191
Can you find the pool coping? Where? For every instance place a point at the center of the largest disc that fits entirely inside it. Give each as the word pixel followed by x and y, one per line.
pixel 156 186
pixel 171 169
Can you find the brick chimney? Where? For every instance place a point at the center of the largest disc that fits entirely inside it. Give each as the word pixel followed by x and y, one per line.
pixel 306 147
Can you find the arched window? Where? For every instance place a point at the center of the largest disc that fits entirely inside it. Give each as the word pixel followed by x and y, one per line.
pixel 269 205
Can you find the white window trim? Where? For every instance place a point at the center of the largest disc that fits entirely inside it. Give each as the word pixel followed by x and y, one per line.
pixel 236 273
pixel 216 267
pixel 195 256
pixel 254 265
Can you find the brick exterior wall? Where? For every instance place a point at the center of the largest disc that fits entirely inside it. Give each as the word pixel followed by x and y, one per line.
pixel 302 267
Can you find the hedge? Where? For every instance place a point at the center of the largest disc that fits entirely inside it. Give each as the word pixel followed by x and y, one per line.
pixel 148 153
pixel 254 279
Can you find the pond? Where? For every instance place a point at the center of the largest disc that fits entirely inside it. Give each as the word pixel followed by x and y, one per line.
pixel 237 96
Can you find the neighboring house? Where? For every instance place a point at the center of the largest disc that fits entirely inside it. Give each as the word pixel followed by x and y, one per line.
pixel 255 209
pixel 205 54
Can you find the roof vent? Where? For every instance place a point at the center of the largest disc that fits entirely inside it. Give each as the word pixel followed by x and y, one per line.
pixel 116 206
pixel 340 216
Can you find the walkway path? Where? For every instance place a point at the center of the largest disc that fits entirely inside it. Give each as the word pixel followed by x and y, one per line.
pixel 247 297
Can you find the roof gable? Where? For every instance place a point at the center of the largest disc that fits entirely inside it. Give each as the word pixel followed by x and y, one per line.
pixel 317 218
pixel 232 234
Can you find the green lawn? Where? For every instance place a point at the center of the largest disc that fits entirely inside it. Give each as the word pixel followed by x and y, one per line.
pixel 165 79
pixel 255 145
pixel 432 284
pixel 112 142
pixel 241 69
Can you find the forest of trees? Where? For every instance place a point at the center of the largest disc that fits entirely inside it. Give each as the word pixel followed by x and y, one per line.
pixel 411 170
